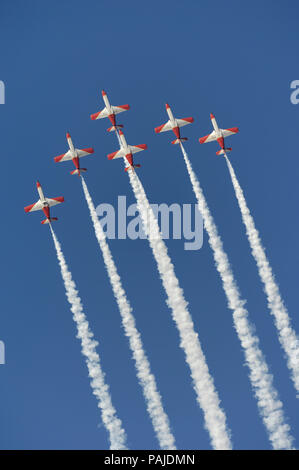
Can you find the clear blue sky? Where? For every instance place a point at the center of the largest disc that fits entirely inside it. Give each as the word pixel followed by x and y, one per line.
pixel 235 59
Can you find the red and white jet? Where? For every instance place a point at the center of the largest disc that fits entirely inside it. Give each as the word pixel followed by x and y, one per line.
pixel 127 152
pixel 74 155
pixel 219 134
pixel 174 125
pixel 109 112
pixel 44 204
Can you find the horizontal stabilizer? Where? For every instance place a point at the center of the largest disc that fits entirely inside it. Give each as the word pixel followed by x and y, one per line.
pixel 223 151
pixel 46 221
pixel 177 141
pixel 113 128
pixel 78 171
pixel 131 167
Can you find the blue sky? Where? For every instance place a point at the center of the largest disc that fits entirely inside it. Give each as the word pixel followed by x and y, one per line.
pixel 234 59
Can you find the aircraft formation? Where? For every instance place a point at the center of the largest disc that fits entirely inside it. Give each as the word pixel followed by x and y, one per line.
pixel 269 406
pixel 126 151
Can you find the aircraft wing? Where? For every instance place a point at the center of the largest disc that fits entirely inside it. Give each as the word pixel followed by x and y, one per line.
pixel 37 206
pixel 184 121
pixel 120 109
pixel 230 131
pixel 165 127
pixel 84 152
pixel 64 157
pixel 69 156
pixel 52 201
pixel 100 114
pixel 137 148
pixel 120 153
pixel 208 138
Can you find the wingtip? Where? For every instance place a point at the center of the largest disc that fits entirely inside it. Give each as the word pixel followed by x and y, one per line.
pixel 38 185
pixel 104 93
pixel 68 135
pixel 167 106
pixel 212 116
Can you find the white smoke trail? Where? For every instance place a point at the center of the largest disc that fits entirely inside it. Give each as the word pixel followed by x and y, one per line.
pixel 269 405
pixel 99 388
pixel 287 336
pixel 146 378
pixel 207 396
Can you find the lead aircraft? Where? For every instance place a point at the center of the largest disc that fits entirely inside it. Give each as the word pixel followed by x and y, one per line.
pixel 109 112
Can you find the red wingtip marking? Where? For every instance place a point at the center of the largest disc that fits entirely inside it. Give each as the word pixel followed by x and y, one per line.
pixel 58 158
pixel 104 93
pixel 89 150
pixel 167 106
pixel 188 119
pixel 58 199
pixel 28 208
pixel 110 156
pixel 68 135
pixel 159 128
pixel 94 116
pixel 212 116
pixel 38 185
pixel 124 106
pixel 233 129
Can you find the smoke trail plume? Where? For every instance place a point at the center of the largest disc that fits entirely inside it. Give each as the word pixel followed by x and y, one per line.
pixel 269 405
pixel 99 388
pixel 146 378
pixel 287 336
pixel 206 394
